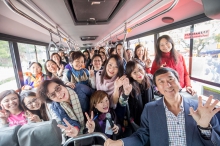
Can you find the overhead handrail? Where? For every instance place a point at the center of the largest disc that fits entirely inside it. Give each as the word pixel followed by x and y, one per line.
pixel 151 18
pixel 61 46
pixel 68 45
pixel 52 43
pixel 12 7
pixel 84 136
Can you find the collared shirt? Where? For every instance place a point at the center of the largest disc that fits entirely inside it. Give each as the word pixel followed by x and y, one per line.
pixel 176 126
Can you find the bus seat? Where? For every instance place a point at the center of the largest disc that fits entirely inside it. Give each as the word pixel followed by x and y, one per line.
pixel 40 134
pixel 184 93
pixel 8 136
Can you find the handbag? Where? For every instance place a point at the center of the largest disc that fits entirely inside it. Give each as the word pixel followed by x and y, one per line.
pixel 40 134
pixel 8 136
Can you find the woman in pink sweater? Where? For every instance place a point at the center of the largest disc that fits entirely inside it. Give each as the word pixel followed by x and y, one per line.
pixel 110 79
pixel 11 112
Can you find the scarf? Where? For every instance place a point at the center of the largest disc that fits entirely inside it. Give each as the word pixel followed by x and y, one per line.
pixel 35 79
pixel 74 112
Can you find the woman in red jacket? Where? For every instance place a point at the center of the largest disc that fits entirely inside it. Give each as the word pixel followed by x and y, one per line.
pixel 167 56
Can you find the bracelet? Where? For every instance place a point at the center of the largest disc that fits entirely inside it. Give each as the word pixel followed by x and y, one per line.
pixel 205 128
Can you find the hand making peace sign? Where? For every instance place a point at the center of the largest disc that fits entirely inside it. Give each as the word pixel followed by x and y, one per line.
pixel 90 124
pixel 70 130
pixel 32 117
pixel 91 71
pixel 4 115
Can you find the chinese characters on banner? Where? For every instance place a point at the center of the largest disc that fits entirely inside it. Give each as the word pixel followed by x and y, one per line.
pixel 198 34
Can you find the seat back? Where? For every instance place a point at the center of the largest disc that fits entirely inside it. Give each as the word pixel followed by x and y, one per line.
pixel 40 134
pixel 8 136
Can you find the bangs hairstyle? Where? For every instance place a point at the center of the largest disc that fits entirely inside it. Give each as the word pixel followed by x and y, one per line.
pixel 100 48
pixel 76 55
pixel 146 83
pixel 119 63
pixel 41 112
pixel 164 70
pixel 86 51
pixel 158 52
pixel 8 92
pixel 96 55
pixel 51 57
pixel 47 71
pixel 35 63
pixel 135 51
pixel 42 90
pixel 111 51
pixel 97 97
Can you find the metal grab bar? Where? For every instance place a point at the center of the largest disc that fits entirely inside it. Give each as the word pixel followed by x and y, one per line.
pixel 84 136
pixel 151 18
pixel 12 7
pixel 52 43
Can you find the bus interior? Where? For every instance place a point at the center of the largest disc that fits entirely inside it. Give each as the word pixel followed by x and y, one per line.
pixel 30 30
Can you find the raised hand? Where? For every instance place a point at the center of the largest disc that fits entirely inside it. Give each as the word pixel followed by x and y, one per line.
pixel 190 90
pixel 60 71
pixel 32 117
pixel 70 130
pixel 115 129
pixel 90 124
pixel 27 87
pixel 164 65
pixel 204 113
pixel 119 81
pixel 148 62
pixel 71 85
pixel 91 71
pixel 127 87
pixel 4 115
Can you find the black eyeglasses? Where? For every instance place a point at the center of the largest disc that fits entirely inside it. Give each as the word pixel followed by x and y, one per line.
pixel 53 94
pixel 30 103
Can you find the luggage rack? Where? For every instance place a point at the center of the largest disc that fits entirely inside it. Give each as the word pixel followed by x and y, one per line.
pixel 84 136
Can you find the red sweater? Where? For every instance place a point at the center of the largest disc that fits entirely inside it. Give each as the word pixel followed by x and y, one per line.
pixel 180 67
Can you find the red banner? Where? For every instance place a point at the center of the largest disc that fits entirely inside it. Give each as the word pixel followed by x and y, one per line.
pixel 198 34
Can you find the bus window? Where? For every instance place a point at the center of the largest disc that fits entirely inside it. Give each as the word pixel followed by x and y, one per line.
pixel 7 77
pixel 41 56
pixel 31 53
pixel 27 55
pixel 148 42
pixel 133 44
pixel 206 51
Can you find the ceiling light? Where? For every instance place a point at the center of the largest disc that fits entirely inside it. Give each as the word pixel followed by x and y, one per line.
pixel 95 3
pixel 167 20
pixel 92 19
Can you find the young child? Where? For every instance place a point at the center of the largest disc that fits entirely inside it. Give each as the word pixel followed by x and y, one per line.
pixel 11 112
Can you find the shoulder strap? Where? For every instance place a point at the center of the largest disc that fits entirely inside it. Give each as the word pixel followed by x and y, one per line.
pixel 86 71
pixel 69 75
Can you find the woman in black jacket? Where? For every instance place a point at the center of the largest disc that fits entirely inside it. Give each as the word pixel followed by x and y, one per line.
pixel 100 111
pixel 140 93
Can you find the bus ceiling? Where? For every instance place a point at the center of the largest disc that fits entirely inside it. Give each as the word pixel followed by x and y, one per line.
pixel 52 14
pixel 212 8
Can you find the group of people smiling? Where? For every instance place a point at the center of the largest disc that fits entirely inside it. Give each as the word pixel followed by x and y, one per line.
pixel 79 91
